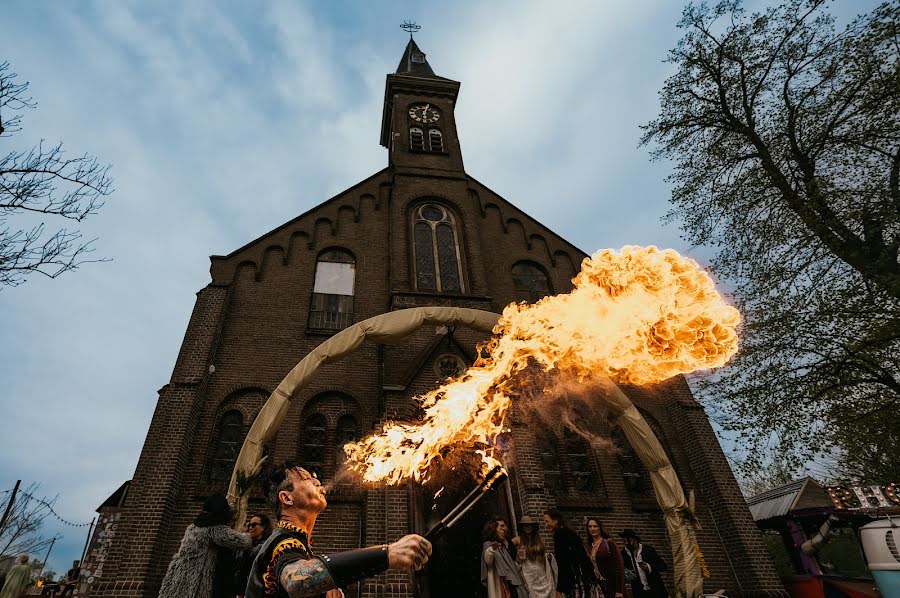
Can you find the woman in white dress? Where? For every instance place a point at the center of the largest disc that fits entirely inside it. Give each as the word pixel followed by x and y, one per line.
pixel 538 566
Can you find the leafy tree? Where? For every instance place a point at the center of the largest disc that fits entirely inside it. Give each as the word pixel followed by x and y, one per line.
pixel 785 136
pixel 38 183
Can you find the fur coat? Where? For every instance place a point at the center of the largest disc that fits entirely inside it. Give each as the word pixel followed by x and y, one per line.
pixel 193 567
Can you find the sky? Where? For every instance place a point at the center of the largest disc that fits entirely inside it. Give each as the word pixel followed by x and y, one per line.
pixel 223 120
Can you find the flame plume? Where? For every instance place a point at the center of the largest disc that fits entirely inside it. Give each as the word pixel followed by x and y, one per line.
pixel 637 316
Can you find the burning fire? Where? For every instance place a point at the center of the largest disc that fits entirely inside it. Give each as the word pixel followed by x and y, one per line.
pixel 637 316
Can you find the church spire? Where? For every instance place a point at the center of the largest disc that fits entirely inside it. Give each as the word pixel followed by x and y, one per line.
pixel 413 62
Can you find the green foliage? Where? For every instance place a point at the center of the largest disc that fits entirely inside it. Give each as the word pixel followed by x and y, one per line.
pixel 785 134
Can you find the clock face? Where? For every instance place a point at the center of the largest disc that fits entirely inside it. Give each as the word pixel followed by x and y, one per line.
pixel 424 113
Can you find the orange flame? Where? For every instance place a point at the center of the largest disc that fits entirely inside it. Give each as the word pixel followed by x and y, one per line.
pixel 637 316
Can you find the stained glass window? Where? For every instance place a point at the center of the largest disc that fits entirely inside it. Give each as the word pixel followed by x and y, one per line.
pixel 331 307
pixel 446 248
pixel 425 277
pixel 530 282
pixel 436 247
pixel 231 428
pixel 313 434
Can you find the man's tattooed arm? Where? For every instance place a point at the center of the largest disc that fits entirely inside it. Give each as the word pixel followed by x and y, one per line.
pixel 306 577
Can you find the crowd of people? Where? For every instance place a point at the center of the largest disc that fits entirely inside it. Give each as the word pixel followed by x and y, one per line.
pixel 590 567
pixel 277 558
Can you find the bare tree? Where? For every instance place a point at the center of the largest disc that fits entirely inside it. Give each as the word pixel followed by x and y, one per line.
pixel 37 184
pixel 21 534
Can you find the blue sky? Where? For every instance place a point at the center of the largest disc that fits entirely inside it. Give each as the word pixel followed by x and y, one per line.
pixel 223 120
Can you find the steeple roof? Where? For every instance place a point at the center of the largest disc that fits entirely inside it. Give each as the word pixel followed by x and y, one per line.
pixel 414 64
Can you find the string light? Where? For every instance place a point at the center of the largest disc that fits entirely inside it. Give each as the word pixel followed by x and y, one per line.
pixel 50 507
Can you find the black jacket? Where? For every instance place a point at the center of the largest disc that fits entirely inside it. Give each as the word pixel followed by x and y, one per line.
pixel 575 567
pixel 654 579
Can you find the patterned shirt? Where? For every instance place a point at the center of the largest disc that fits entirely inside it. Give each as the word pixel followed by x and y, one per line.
pixel 287 551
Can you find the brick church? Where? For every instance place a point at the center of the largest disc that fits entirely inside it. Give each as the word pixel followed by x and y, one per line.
pixel 419 232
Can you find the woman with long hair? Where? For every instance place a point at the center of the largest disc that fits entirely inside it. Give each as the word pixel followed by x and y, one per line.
pixel 259 526
pixel 499 572
pixel 205 563
pixel 606 557
pixel 538 566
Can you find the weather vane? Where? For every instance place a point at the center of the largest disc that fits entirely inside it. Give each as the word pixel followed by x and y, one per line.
pixel 410 27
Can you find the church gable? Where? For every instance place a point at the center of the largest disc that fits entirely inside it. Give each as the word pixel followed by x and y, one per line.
pixel 543 244
pixel 340 218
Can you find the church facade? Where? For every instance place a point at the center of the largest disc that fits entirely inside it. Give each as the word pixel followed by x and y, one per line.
pixel 419 232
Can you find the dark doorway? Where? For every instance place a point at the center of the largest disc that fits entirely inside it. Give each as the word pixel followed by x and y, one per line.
pixel 455 566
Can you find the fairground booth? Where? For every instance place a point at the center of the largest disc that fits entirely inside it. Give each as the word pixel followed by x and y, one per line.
pixel 832 541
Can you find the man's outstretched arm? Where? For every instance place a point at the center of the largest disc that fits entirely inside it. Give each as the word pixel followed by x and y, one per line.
pixel 311 577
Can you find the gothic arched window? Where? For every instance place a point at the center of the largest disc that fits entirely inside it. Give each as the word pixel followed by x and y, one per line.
pixel 635 476
pixel 347 431
pixel 553 480
pixel 331 307
pixel 530 282
pixel 579 457
pixel 435 140
pixel 436 247
pixel 416 139
pixel 231 429
pixel 314 444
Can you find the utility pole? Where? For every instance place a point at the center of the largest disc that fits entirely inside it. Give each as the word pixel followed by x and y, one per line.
pixel 44 564
pixel 12 497
pixel 87 542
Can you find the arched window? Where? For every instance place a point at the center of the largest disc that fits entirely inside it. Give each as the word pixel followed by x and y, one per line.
pixel 553 480
pixel 347 431
pixel 314 444
pixel 331 307
pixel 231 429
pixel 530 282
pixel 435 140
pixel 416 139
pixel 579 457
pixel 636 478
pixel 436 246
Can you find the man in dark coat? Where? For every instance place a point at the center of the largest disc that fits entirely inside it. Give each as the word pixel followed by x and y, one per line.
pixel 576 573
pixel 645 565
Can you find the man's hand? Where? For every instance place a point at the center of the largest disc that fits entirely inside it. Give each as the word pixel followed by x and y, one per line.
pixel 409 552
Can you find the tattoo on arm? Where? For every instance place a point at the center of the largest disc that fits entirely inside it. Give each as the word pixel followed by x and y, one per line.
pixel 307 577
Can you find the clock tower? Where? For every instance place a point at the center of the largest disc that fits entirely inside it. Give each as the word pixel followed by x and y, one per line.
pixel 418 125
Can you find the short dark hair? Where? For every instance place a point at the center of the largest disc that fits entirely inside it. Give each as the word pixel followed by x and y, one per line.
pixel 555 514
pixel 276 480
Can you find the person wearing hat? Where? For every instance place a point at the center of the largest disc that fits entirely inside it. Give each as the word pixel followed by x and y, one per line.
pixel 645 565
pixel 538 566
